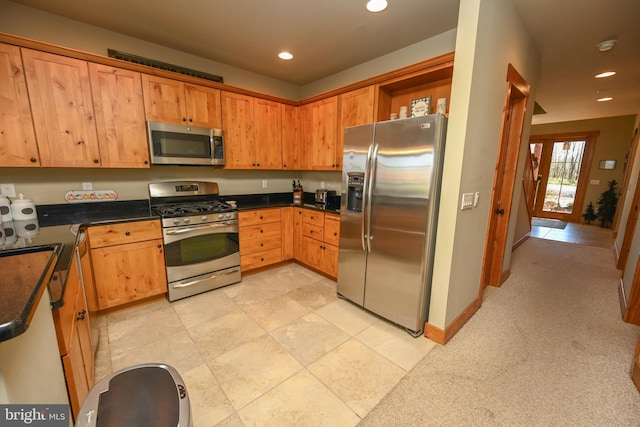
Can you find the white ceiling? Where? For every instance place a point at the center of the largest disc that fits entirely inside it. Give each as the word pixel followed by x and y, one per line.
pixel 329 36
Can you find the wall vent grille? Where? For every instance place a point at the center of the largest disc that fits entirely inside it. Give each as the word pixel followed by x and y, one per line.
pixel 162 65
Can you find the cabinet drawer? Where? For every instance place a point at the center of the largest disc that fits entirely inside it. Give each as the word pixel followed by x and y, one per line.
pixel 124 232
pixel 258 216
pixel 332 229
pixel 249 246
pixel 313 231
pixel 260 230
pixel 260 259
pixel 313 217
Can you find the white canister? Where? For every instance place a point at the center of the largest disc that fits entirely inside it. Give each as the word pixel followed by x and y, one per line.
pixel 23 209
pixel 27 227
pixel 3 238
pixel 403 112
pixel 10 233
pixel 5 209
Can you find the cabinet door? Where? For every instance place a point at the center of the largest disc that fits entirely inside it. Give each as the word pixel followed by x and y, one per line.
pixel 330 260
pixel 319 127
pixel 237 123
pixel 17 138
pixel 332 229
pixel 291 151
pixel 119 108
pixel 164 99
pixel 83 330
pixel 75 375
pixel 312 252
pixel 287 232
pixel 268 134
pixel 356 108
pixel 62 108
pixel 297 233
pixel 203 106
pixel 119 276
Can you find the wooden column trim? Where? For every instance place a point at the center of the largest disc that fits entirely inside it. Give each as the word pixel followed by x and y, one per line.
pixel 443 336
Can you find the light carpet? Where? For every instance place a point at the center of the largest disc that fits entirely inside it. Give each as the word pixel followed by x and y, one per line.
pixel 547 348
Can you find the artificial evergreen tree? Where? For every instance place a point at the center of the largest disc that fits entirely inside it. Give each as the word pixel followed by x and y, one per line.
pixel 589 213
pixel 607 205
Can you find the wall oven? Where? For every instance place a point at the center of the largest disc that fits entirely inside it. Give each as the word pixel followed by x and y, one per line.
pixel 200 235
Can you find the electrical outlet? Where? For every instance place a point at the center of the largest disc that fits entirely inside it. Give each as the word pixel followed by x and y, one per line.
pixel 475 199
pixel 321 184
pixel 264 183
pixel 8 190
pixel 87 186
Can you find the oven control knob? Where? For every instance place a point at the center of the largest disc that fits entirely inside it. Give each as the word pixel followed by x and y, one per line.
pixel 220 216
pixel 227 216
pixel 176 221
pixel 186 220
pixel 203 218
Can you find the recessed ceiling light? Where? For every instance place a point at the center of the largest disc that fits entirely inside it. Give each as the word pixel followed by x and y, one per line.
pixel 605 74
pixel 606 45
pixel 285 55
pixel 377 5
pixel 606 98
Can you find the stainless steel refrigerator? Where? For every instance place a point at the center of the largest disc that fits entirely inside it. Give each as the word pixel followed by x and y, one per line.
pixel 390 190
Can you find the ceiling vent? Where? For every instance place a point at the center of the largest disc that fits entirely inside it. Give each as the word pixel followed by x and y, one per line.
pixel 162 65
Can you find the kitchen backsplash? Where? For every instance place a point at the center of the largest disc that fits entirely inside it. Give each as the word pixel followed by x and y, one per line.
pixel 49 185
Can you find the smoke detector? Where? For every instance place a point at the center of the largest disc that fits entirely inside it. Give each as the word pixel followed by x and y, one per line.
pixel 606 45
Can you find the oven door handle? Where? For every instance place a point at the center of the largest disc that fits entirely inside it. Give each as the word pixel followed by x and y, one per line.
pixel 213 276
pixel 201 227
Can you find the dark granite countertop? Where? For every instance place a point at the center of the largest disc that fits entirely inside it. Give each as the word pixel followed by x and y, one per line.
pixel 25 275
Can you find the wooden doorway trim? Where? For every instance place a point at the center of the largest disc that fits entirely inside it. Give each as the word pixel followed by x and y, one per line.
pixel 632 219
pixel 504 179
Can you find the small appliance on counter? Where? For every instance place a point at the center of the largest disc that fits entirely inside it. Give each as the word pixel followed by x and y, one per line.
pixel 323 196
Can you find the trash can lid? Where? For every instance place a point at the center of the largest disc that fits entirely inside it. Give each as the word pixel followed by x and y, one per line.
pixel 146 396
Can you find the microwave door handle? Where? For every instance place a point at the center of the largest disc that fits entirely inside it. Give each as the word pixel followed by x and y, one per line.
pixel 372 176
pixel 365 187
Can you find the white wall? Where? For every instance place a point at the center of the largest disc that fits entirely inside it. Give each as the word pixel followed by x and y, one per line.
pixel 490 36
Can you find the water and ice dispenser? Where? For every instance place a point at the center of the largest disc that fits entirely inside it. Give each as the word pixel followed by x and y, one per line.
pixel 355 186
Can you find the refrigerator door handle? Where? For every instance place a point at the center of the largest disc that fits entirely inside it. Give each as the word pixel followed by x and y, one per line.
pixel 365 188
pixel 372 174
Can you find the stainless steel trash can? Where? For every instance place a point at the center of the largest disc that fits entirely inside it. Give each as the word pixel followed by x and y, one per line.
pixel 144 395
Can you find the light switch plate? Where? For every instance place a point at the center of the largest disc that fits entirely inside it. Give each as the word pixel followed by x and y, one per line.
pixel 8 190
pixel 467 201
pixel 264 183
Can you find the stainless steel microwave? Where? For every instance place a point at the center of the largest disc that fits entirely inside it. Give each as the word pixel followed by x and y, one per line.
pixel 172 144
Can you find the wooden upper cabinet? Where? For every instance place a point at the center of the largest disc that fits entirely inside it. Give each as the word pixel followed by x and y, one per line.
pixel 268 134
pixel 237 124
pixel 62 108
pixel 291 152
pixel 17 138
pixel 173 101
pixel 356 108
pixel 203 106
pixel 318 135
pixel 252 132
pixel 119 109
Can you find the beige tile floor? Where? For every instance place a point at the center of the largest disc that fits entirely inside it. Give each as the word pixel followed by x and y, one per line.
pixel 277 349
pixel 585 234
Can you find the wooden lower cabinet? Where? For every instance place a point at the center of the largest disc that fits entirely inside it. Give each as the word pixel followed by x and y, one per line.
pixel 128 262
pixel 73 332
pixel 319 241
pixel 260 238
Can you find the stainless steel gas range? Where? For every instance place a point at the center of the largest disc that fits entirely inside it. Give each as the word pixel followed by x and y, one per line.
pixel 200 234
